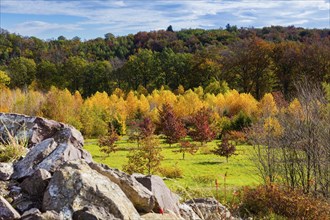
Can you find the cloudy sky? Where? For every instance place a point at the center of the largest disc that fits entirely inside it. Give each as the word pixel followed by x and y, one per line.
pixel 88 19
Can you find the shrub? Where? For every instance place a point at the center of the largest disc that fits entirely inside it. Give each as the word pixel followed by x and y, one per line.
pixel 237 136
pixel 171 172
pixel 204 179
pixel 205 150
pixel 12 149
pixel 293 204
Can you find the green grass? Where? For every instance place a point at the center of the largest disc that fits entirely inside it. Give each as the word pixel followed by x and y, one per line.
pixel 199 171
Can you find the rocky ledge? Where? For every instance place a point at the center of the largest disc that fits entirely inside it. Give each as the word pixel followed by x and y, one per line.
pixel 57 179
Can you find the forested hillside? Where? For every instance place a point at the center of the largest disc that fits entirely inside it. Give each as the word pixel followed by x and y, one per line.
pixel 170 103
pixel 249 60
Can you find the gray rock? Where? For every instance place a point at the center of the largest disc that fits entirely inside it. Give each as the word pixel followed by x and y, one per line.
pixel 75 186
pixel 35 214
pixel 36 155
pixel 7 212
pixel 36 184
pixel 188 213
pixel 209 209
pixel 89 214
pixel 24 203
pixel 141 197
pixel 15 192
pixel 31 214
pixel 165 199
pixel 156 216
pixel 6 170
pixel 51 143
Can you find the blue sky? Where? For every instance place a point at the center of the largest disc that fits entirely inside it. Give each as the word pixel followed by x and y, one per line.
pixel 88 19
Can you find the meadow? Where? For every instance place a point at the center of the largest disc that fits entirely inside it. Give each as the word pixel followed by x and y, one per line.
pixel 199 171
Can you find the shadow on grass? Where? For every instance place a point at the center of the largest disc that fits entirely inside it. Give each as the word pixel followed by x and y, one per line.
pixel 209 163
pixel 100 157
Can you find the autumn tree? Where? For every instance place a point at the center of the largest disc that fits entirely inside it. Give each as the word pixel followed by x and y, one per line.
pixel 246 65
pixel 187 147
pixel 225 149
pixel 107 142
pixel 285 56
pixel 4 79
pixel 264 134
pixel 146 158
pixel 170 125
pixel 141 129
pixel 201 129
pixel 292 147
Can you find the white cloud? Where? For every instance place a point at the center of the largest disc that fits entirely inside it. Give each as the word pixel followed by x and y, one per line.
pixel 121 16
pixel 38 27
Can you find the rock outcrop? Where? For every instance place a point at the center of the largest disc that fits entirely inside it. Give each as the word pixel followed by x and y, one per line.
pixel 76 186
pixel 141 197
pixel 51 143
pixel 57 179
pixel 7 212
pixel 209 209
pixel 166 201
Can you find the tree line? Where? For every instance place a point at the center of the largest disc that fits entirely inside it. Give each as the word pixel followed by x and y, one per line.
pixel 250 60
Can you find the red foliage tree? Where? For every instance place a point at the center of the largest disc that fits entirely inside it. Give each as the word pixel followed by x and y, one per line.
pixel 107 142
pixel 141 129
pixel 170 125
pixel 146 127
pixel 201 129
pixel 225 149
pixel 187 147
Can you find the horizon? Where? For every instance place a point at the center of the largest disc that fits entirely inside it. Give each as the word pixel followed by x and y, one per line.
pixel 49 19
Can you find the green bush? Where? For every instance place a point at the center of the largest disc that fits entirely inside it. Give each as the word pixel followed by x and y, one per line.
pixel 171 172
pixel 240 121
pixel 205 179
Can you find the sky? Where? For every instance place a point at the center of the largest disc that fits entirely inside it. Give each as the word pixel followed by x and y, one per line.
pixel 88 19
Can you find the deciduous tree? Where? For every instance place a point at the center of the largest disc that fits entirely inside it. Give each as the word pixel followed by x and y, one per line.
pixel 225 149
pixel 201 129
pixel 170 125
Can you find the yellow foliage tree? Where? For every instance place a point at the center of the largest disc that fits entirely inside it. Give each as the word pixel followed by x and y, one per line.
pixel 267 106
pixel 295 109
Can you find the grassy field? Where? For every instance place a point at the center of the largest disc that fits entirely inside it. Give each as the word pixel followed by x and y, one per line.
pixel 199 171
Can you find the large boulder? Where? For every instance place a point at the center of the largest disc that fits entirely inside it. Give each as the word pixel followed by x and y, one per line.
pixel 75 186
pixel 188 213
pixel 51 143
pixel 7 212
pixel 6 170
pixel 141 197
pixel 209 209
pixel 36 184
pixel 166 201
pixel 88 213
